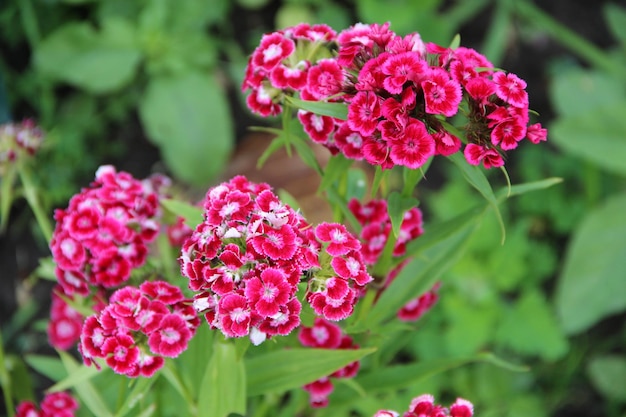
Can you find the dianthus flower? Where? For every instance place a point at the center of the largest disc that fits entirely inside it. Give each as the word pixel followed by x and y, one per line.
pixel 424 406
pixel 104 232
pixel 17 141
pixel 376 226
pixel 281 65
pixel 139 327
pixel 55 404
pixel 326 335
pixel 246 259
pixel 400 95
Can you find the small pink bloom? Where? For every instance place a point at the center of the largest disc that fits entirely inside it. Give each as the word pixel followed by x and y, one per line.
pixel 325 79
pixel 273 49
pixel 316 126
pixel 234 315
pixel 535 133
pixel 267 293
pixel 341 241
pixel 28 409
pixel 446 143
pixel 57 403
pixel 403 68
pixel 475 154
pixel 511 88
pixel 323 334
pixel 171 338
pixel 461 408
pixel 121 354
pixel 162 291
pixel 441 93
pixel 276 243
pixel 414 147
pixel 363 113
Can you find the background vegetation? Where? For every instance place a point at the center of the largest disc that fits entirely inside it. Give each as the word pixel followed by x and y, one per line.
pixel 115 81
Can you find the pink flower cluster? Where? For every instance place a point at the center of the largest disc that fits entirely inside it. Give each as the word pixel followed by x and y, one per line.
pixel 376 226
pixel 400 94
pixel 104 232
pixel 373 216
pixel 246 259
pixel 17 139
pixel 56 404
pixel 139 327
pixel 326 335
pixel 424 406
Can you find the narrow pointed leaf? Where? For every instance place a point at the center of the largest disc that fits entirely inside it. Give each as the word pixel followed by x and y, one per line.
pixel 475 176
pixel 336 169
pixel 140 389
pixel 47 365
pixel 84 388
pixel 282 370
pixel 192 214
pixel 419 275
pixel 398 205
pixel 223 389
pixel 336 110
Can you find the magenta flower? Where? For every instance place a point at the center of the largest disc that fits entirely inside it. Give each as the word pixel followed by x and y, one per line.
pixel 340 241
pixel 403 68
pixel 268 292
pixel 104 232
pixel 414 147
pixel 511 89
pixel 363 113
pixel 441 93
pixel 139 327
pixel 171 337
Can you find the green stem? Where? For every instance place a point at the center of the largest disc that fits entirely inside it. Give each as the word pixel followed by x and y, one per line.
pixel 30 193
pixel 5 382
pixel 579 45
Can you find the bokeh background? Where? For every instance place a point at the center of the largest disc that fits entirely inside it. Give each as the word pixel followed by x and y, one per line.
pixel 153 86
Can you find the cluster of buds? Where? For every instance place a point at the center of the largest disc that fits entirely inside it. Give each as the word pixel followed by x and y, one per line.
pixel 326 335
pixel 246 259
pixel 424 406
pixel 56 404
pixel 401 94
pixel 18 140
pixel 139 327
pixel 104 232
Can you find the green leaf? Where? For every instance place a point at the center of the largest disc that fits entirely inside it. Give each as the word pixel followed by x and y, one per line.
pixel 598 135
pixel 398 205
pixel 98 62
pixel 282 370
pixel 476 177
pixel 608 375
pixel 84 388
pixel 615 16
pixel 419 275
pixel 223 388
pixel 49 366
pixel 77 376
pixel 140 389
pixel 531 328
pixel 336 110
pixel 592 275
pixel 527 187
pixel 187 117
pixel 193 215
pixel 6 195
